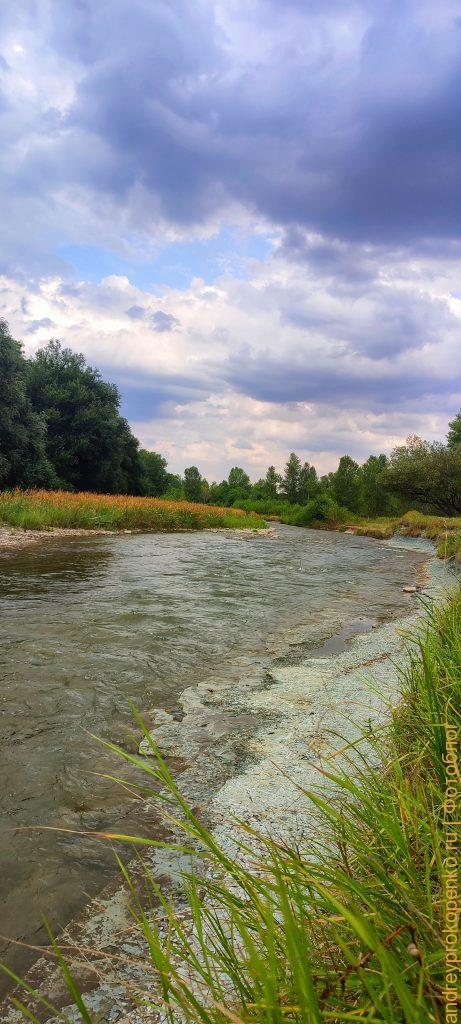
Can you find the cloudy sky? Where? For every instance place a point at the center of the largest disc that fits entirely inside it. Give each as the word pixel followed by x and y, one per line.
pixel 246 213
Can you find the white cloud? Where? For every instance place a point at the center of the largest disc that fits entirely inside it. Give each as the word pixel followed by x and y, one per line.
pixel 252 369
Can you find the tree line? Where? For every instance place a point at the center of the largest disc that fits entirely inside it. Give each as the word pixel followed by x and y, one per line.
pixel 60 427
pixel 419 475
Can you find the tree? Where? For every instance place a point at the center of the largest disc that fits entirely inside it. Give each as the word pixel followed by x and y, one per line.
pixel 205 491
pixel 454 433
pixel 308 483
pixel 272 482
pixel 290 482
pixel 23 460
pixel 238 480
pixel 128 477
pixel 192 484
pixel 346 483
pixel 426 476
pixel 239 485
pixel 374 497
pixel 219 493
pixel 174 487
pixel 89 444
pixel 154 474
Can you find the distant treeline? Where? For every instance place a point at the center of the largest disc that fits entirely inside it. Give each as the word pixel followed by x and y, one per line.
pixel 60 427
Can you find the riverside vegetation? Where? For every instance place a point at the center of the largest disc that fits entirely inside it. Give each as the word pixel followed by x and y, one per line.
pixel 347 926
pixel 45 510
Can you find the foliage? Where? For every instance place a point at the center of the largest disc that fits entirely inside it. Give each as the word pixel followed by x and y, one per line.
pixel 291 479
pixel 88 443
pixel 374 500
pixel 23 456
pixel 272 482
pixel 426 474
pixel 308 484
pixel 192 484
pixel 272 508
pixel 43 510
pixel 154 474
pixel 346 484
pixel 322 509
pixel 347 922
pixel 454 431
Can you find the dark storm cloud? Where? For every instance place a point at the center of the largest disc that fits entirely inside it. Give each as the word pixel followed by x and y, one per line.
pixel 145 398
pixel 337 124
pixel 354 132
pixel 393 320
pixel 337 382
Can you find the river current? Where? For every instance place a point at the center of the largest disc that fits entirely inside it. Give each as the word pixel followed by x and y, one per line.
pixel 89 624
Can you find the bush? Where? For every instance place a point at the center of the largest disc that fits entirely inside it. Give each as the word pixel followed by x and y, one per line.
pixel 322 509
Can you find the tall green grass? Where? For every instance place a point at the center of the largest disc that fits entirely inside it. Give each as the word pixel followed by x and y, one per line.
pixel 46 510
pixel 347 926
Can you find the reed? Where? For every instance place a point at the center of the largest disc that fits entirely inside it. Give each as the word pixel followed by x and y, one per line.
pixel 45 510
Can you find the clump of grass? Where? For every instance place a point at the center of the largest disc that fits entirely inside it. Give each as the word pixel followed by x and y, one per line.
pixel 449 546
pixel 446 531
pixel 348 925
pixel 45 510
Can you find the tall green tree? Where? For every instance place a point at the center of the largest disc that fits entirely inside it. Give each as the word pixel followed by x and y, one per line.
pixel 374 496
pixel 89 444
pixel 238 479
pixel 454 432
pixel 272 482
pixel 346 483
pixel 192 484
pixel 426 476
pixel 23 460
pixel 291 478
pixel 239 485
pixel 308 483
pixel 154 473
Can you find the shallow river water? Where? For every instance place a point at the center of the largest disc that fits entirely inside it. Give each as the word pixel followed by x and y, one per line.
pixel 89 624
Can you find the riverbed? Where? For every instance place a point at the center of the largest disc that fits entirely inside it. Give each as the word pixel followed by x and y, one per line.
pixel 90 624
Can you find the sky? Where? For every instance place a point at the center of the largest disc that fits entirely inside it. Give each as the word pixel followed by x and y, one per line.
pixel 246 213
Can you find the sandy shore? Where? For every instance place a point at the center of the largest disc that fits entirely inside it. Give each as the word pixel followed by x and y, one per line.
pixel 255 733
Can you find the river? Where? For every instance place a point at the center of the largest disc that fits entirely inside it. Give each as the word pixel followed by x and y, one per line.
pixel 91 623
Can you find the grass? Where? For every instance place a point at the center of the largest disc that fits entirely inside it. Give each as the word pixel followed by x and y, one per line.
pixel 45 510
pixel 349 925
pixel 444 530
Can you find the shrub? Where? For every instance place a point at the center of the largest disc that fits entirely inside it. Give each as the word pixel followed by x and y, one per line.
pixel 322 509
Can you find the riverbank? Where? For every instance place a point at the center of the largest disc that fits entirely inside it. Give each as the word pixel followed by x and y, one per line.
pixel 443 530
pixel 286 722
pixel 39 510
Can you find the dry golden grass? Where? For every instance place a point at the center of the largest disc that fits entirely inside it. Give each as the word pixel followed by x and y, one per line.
pixel 43 510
